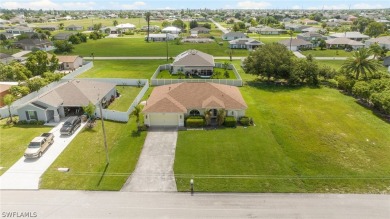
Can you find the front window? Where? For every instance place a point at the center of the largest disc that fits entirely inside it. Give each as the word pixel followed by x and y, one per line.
pixel 32 115
pixel 194 112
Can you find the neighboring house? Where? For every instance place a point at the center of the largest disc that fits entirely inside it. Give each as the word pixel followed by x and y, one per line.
pixel 66 99
pixel 4 90
pixel 245 43
pixel 350 35
pixel 125 27
pixel 343 42
pixel 269 31
pixel 161 37
pixel 73 27
pixel 194 62
pixel 201 30
pixel 69 62
pixel 168 105
pixel 62 36
pixel 295 27
pixel 313 29
pixel 19 30
pixel 30 44
pixel 233 36
pixel 309 36
pixel 296 44
pixel 49 27
pixel 5 58
pixel 171 29
pixel 309 22
pixel 382 42
pixel 152 28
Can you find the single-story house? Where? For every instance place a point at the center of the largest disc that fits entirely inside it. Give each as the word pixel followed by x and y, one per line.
pixel 245 43
pixel 269 31
pixel 29 44
pixel 161 37
pixel 69 62
pixel 350 35
pixel 168 105
pixel 194 62
pixel 309 22
pixel 313 29
pixel 295 27
pixel 201 30
pixel 49 27
pixel 4 90
pixel 309 36
pixel 6 58
pixel 66 99
pixel 19 30
pixel 151 28
pixel 382 42
pixel 233 36
pixel 296 44
pixel 62 36
pixel 343 42
pixel 73 27
pixel 171 29
pixel 126 26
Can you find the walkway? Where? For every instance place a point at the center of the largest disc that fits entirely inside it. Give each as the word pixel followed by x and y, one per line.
pixel 26 173
pixel 154 171
pixel 20 54
pixel 299 55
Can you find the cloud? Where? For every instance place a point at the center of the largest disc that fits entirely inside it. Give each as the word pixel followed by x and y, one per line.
pixel 296 7
pixel 253 5
pixel 366 6
pixel 135 5
pixel 47 5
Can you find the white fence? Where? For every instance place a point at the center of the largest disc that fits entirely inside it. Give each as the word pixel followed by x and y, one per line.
pixel 233 82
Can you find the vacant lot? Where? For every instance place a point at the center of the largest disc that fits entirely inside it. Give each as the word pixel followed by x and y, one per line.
pixel 14 140
pixel 127 96
pixel 86 158
pixel 305 140
pixel 327 53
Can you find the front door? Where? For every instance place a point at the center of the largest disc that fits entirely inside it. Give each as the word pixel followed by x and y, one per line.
pixel 214 113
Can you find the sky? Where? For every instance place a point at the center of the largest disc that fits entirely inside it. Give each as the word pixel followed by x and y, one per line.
pixel 191 4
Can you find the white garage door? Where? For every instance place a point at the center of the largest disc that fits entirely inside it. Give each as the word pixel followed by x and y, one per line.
pixel 164 119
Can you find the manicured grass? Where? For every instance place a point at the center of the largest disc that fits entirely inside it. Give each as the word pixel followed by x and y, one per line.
pixel 327 53
pixel 14 141
pixel 127 96
pixel 86 158
pixel 123 69
pixel 165 74
pixel 9 51
pixel 336 64
pixel 139 47
pixel 305 140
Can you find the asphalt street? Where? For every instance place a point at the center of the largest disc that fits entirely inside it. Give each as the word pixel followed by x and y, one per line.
pixel 83 204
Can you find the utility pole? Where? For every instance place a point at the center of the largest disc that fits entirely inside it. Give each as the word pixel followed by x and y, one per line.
pixel 166 40
pixel 104 131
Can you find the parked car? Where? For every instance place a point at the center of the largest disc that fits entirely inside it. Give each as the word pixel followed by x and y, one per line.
pixel 71 125
pixel 39 145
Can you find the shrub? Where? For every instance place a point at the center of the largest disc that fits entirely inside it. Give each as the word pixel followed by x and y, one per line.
pixel 244 121
pixel 230 121
pixel 195 122
pixel 332 83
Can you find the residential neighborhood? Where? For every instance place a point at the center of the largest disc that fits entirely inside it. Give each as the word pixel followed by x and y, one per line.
pixel 196 101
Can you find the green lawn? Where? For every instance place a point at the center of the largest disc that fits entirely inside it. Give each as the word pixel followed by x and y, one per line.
pixel 141 69
pixel 138 47
pixel 86 158
pixel 9 51
pixel 14 141
pixel 165 74
pixel 305 140
pixel 327 53
pixel 128 94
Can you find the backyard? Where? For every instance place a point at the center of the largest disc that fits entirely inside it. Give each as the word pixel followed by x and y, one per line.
pixel 219 73
pixel 127 96
pixel 305 140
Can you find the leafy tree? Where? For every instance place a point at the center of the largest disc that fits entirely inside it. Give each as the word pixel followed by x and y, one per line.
pixel 304 71
pixel 19 91
pixel 61 26
pixel 179 24
pixel 96 27
pixel 3 37
pixel 89 109
pixel 376 50
pixel 115 22
pixel 137 113
pixel 165 24
pixel 322 44
pixel 50 76
pixel 361 89
pixel 74 39
pixel 207 25
pixel 147 16
pixel 35 84
pixel 360 64
pixel 8 99
pixel 38 63
pixel 193 24
pixel 381 101
pixel 374 29
pixel 63 46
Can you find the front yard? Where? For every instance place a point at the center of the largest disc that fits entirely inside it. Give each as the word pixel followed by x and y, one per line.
pixel 317 52
pixel 305 140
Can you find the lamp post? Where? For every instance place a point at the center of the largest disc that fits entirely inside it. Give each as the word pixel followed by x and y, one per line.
pixel 104 130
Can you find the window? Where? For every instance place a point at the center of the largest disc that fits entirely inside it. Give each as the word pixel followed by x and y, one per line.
pixel 194 112
pixel 31 115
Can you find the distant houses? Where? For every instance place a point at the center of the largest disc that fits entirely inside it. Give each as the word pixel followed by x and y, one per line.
pixel 73 27
pixel 382 42
pixel 161 37
pixel 245 43
pixel 343 42
pixel 350 35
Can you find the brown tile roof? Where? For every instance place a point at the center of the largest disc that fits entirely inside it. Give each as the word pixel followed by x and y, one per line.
pixel 67 58
pixel 76 93
pixel 194 58
pixel 184 96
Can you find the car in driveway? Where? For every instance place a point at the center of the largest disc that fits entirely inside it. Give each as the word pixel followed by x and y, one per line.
pixel 39 145
pixel 71 125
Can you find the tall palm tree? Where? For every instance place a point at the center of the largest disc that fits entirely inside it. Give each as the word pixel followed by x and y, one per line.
pixel 147 16
pixel 291 33
pixel 360 63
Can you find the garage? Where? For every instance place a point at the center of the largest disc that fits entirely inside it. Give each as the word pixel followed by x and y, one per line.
pixel 164 119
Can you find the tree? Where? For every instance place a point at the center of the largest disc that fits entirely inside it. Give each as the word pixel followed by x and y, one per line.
pixel 322 44
pixel 36 83
pixel 165 24
pixel 89 109
pixel 37 63
pixel 63 46
pixel 376 50
pixel 61 26
pixel 96 27
pixel 207 25
pixel 115 22
pixel 179 24
pixel 360 64
pixel 193 24
pixel 290 33
pixel 19 91
pixel 304 71
pixel 221 116
pixel 236 27
pixel 230 53
pixel 361 89
pixel 147 16
pixel 374 29
pixel 137 113
pixel 8 99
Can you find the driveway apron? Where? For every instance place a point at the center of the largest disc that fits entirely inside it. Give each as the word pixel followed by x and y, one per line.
pixel 154 171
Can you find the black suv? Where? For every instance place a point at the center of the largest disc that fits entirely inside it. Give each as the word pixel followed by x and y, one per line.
pixel 71 125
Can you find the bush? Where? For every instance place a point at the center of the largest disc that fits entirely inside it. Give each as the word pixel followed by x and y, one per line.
pixel 195 121
pixel 332 83
pixel 32 122
pixel 244 121
pixel 230 121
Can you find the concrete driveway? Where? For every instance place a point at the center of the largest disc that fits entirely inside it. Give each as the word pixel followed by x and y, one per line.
pixel 26 173
pixel 154 171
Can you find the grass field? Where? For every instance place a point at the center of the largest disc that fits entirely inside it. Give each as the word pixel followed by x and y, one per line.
pixel 85 156
pixel 138 47
pixel 305 140
pixel 327 53
pixel 128 94
pixel 14 140
pixel 140 69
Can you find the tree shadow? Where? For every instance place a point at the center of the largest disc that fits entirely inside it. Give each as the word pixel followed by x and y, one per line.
pixel 275 87
pixel 135 133
pixel 103 174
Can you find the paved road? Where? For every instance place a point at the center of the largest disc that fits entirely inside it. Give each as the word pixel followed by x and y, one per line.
pixel 154 171
pixel 26 173
pixel 21 53
pixel 148 58
pixel 82 204
pixel 224 30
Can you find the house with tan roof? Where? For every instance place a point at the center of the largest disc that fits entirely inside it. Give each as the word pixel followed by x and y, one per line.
pixel 67 99
pixel 343 42
pixel 382 42
pixel 168 105
pixel 296 44
pixel 69 62
pixel 193 62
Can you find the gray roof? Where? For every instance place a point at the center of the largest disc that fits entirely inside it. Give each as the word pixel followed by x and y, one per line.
pixel 310 34
pixel 295 42
pixel 33 42
pixel 350 35
pixel 194 58
pixel 343 41
pixel 234 34
pixel 380 40
pixel 246 41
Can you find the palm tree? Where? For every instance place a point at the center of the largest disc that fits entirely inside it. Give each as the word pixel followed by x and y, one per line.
pixel 8 100
pixel 147 16
pixel 136 112
pixel 221 116
pixel 376 50
pixel 291 33
pixel 360 63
